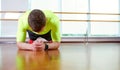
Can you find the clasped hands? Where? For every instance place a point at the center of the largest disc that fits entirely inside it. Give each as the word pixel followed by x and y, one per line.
pixel 38 44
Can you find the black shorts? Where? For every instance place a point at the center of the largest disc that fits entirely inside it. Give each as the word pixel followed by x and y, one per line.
pixel 34 36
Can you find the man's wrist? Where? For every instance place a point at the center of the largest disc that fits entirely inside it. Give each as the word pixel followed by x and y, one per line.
pixel 46 47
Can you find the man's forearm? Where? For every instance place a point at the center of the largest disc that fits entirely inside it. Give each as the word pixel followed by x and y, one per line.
pixel 24 46
pixel 54 45
pixel 27 46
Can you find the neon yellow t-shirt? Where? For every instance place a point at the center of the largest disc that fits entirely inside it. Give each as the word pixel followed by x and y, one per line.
pixel 52 23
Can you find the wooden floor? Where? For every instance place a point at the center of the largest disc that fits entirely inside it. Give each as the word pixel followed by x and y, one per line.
pixel 70 56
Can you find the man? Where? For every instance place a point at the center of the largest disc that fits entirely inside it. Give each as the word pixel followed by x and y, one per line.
pixel 39 24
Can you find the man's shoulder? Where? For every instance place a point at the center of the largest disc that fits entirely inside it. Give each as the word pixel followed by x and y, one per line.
pixel 23 19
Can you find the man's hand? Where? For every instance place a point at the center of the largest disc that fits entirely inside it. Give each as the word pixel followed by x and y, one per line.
pixel 39 44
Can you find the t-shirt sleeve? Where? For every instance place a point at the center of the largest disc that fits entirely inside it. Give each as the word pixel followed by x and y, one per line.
pixel 55 32
pixel 21 32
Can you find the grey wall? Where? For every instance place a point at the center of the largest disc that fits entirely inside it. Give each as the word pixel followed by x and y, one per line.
pixel 9 28
pixel 14 5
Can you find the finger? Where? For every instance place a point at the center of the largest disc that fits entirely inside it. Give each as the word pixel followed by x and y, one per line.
pixel 39 48
pixel 33 48
pixel 36 43
pixel 41 39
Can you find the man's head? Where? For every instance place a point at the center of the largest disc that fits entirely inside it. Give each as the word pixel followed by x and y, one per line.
pixel 36 20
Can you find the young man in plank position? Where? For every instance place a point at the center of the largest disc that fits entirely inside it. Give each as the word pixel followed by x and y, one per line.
pixel 42 27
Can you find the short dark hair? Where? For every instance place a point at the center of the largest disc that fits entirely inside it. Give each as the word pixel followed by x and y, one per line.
pixel 36 20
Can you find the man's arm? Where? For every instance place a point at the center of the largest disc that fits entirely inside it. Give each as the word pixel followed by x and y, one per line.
pixel 21 34
pixel 53 45
pixel 55 32
pixel 41 44
pixel 25 46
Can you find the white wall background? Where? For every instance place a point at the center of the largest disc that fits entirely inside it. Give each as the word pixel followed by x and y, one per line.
pixel 0 35
pixel 9 28
pixel 53 5
pixel 0 17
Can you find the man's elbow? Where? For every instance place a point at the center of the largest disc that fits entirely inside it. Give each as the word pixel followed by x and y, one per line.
pixel 19 44
pixel 57 45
